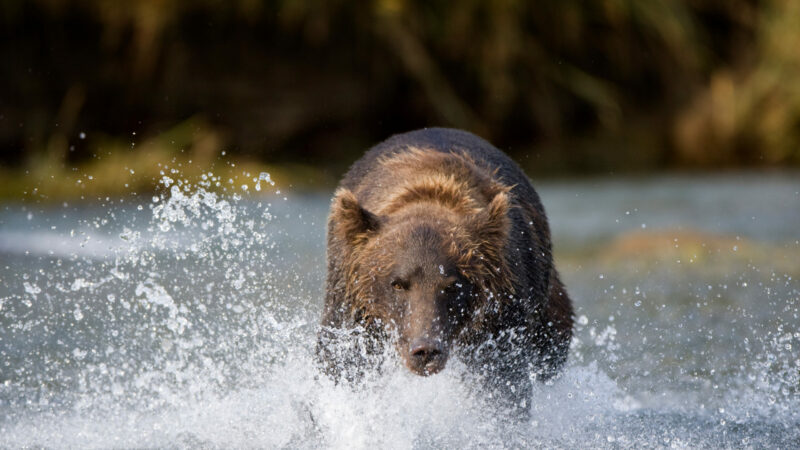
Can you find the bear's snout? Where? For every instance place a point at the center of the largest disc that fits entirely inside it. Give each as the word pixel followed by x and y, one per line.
pixel 426 356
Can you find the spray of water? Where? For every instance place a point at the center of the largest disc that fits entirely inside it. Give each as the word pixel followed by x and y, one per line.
pixel 183 324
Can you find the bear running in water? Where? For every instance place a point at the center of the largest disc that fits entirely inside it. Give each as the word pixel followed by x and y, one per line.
pixel 439 245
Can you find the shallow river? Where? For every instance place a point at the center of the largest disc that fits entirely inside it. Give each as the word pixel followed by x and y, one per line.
pixel 188 320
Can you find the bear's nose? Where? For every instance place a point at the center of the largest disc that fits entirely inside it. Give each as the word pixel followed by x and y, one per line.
pixel 427 355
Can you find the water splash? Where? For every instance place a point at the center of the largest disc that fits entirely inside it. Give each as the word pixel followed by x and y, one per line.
pixel 187 324
pixel 263 176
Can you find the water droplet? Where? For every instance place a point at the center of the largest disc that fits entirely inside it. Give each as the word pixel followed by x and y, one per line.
pixel 31 288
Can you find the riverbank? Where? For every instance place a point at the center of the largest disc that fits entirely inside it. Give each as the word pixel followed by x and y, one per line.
pixel 134 166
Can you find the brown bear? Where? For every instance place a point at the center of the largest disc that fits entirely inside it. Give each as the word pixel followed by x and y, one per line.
pixel 438 244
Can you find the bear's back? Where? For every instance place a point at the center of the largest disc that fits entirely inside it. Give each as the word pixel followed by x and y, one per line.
pixel 367 182
pixel 442 140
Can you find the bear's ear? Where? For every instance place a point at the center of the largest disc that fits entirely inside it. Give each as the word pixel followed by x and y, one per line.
pixel 349 220
pixel 490 226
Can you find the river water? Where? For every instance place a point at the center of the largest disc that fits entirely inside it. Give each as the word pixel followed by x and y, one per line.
pixel 188 320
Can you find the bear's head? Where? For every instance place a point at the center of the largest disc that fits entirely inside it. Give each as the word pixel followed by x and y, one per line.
pixel 427 272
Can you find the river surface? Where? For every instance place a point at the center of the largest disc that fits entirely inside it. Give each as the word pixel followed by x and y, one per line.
pixel 187 320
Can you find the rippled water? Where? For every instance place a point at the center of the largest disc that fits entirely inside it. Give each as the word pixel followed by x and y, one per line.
pixel 188 320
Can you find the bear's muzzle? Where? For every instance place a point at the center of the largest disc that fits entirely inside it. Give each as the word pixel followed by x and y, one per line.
pixel 426 356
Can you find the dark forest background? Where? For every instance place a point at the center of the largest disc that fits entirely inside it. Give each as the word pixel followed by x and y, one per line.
pixel 305 86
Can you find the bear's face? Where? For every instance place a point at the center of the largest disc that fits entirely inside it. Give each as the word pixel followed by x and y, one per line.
pixel 422 295
pixel 420 272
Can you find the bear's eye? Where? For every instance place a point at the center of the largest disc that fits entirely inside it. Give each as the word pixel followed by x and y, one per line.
pixel 399 285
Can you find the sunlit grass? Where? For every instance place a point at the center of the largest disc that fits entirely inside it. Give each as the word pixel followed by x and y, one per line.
pixel 122 167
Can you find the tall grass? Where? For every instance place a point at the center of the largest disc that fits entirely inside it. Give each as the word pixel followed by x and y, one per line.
pixel 567 85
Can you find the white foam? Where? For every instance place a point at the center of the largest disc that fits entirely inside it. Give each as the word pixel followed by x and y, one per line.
pixel 211 346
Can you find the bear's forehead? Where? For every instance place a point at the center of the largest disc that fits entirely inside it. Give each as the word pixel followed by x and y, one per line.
pixel 414 234
pixel 424 261
pixel 424 235
pixel 414 248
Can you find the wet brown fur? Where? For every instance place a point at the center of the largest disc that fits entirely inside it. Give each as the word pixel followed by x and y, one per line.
pixel 471 206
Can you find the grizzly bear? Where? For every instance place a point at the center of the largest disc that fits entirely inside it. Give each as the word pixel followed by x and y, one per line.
pixel 439 245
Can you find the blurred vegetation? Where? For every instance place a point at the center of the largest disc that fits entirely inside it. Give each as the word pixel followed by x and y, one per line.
pixel 304 86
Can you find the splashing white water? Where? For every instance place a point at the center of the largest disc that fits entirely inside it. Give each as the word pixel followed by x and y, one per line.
pixel 190 328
